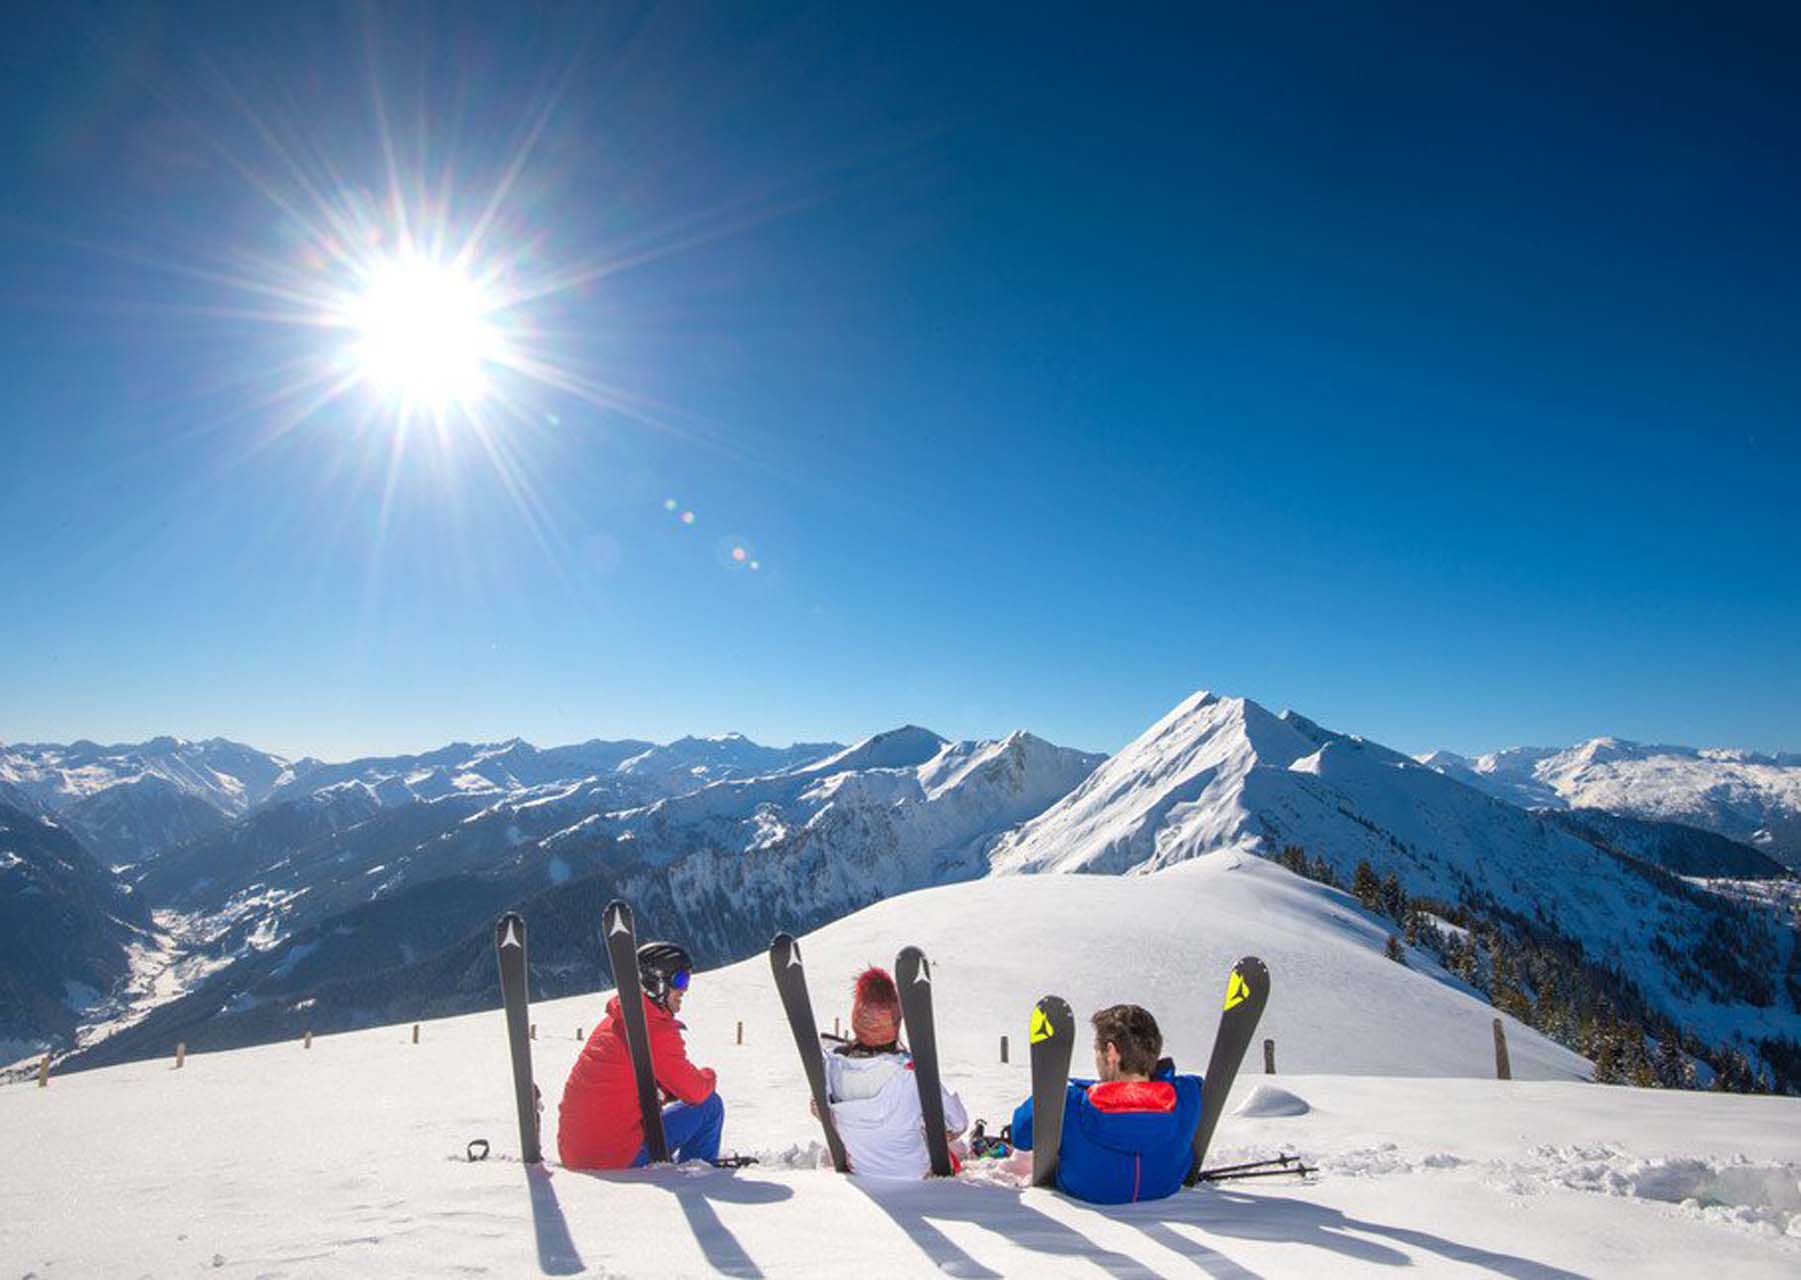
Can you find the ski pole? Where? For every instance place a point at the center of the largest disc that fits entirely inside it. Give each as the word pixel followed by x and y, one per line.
pixel 1249 1164
pixel 1301 1169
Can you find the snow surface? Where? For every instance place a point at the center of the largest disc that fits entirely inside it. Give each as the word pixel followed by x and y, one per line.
pixel 347 1159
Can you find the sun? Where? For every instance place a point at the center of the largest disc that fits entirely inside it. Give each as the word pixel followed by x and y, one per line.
pixel 424 333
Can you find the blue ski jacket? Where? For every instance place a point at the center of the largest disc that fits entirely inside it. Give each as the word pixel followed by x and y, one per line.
pixel 1123 1140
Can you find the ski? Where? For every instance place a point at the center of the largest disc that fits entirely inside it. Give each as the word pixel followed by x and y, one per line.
pixel 1247 991
pixel 1052 1040
pixel 509 951
pixel 913 974
pixel 791 983
pixel 622 955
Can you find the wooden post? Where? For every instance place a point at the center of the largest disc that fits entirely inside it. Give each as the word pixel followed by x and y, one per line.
pixel 415 1033
pixel 181 1055
pixel 1503 1070
pixel 835 1030
pixel 578 1033
pixel 1003 1048
pixel 534 1031
pixel 44 1073
pixel 741 1031
pixel 309 1039
pixel 1269 1057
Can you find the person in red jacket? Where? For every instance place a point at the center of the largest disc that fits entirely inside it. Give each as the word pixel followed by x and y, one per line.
pixel 598 1124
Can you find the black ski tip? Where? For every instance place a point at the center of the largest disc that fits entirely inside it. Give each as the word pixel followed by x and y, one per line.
pixel 784 952
pixel 911 966
pixel 509 930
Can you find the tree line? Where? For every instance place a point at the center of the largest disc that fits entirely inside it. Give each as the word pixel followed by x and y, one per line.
pixel 1530 969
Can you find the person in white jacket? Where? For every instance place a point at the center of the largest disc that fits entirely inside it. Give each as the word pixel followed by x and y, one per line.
pixel 874 1096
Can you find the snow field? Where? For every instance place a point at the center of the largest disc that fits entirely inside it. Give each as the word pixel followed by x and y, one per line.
pixel 347 1159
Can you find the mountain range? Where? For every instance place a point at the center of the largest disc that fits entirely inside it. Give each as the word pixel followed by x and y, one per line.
pixel 218 895
pixel 1738 794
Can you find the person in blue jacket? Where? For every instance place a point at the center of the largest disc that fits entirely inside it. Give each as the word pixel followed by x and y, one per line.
pixel 1129 1135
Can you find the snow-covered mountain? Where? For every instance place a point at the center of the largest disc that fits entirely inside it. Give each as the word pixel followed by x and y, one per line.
pixel 467 769
pixel 133 801
pixel 1739 794
pixel 1675 846
pixel 1222 773
pixel 691 762
pixel 358 892
pixel 230 776
pixel 67 928
pixel 338 903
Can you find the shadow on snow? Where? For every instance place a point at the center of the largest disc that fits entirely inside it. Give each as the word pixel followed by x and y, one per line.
pixel 1188 1224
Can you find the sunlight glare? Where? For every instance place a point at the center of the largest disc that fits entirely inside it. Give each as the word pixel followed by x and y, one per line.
pixel 423 333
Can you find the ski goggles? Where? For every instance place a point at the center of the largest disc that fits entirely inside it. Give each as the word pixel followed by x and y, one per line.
pixel 679 979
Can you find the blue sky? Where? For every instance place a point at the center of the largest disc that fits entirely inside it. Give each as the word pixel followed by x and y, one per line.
pixel 1430 372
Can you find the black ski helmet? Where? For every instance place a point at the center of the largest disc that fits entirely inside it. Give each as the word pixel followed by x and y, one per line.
pixel 658 963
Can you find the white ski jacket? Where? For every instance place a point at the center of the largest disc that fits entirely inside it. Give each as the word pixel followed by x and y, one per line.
pixel 875 1104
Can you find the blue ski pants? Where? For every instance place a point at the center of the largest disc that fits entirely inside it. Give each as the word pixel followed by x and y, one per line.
pixel 692 1130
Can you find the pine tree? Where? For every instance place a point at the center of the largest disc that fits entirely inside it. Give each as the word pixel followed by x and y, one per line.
pixel 1671 1063
pixel 1607 1055
pixel 1461 957
pixel 1393 898
pixel 1393 950
pixel 1294 858
pixel 1415 928
pixel 1637 1059
pixel 1365 886
pixel 1321 870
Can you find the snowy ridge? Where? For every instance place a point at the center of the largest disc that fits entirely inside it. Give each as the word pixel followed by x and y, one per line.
pixel 228 775
pixel 1224 774
pixel 133 801
pixel 1739 794
pixel 897 811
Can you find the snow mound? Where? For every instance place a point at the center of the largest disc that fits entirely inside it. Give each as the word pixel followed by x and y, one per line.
pixel 1764 1196
pixel 1267 1100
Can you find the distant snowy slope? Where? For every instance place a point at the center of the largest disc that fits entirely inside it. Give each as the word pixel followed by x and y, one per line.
pixel 461 768
pixel 894 812
pixel 66 930
pixel 1675 846
pixel 228 775
pixel 353 912
pixel 1223 773
pixel 691 762
pixel 1739 794
pixel 132 820
pixel 1166 941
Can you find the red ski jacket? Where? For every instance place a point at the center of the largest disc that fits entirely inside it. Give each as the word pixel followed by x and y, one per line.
pixel 598 1125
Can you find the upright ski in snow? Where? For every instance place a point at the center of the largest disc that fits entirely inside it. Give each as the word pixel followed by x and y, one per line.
pixel 1247 991
pixel 913 974
pixel 509 950
pixel 622 955
pixel 1052 1038
pixel 791 983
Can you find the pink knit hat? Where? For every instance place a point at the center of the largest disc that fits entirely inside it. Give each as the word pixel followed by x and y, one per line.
pixel 875 1010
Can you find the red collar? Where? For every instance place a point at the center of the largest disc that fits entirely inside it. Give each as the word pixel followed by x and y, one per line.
pixel 1132 1095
